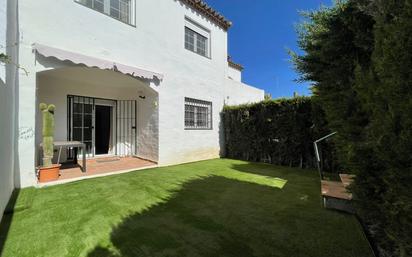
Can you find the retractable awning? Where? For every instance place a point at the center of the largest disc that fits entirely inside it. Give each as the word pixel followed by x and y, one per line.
pixel 63 55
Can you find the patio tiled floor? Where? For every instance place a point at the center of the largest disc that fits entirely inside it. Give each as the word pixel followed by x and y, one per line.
pixel 101 166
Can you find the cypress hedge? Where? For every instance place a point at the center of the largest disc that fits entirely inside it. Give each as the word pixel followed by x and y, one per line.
pixel 358 57
pixel 279 132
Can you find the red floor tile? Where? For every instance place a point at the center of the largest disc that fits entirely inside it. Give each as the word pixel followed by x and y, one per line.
pixel 103 165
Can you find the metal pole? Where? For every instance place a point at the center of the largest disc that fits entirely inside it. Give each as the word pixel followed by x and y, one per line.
pixel 315 145
pixel 60 152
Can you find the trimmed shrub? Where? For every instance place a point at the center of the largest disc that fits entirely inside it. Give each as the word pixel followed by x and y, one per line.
pixel 280 132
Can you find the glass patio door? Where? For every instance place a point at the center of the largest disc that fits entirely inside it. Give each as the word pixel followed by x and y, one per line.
pixel 81 121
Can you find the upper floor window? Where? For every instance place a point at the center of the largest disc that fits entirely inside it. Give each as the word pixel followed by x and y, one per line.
pixel 198 114
pixel 197 38
pixel 122 10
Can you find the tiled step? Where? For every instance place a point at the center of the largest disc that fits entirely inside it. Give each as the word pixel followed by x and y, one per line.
pixel 335 189
pixel 347 179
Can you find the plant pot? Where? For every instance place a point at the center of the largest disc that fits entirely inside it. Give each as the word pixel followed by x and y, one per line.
pixel 51 173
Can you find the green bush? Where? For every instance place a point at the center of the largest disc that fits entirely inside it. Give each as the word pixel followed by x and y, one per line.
pixel 358 56
pixel 280 132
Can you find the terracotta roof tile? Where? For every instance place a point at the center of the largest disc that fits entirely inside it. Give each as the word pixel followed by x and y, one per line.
pixel 208 11
pixel 233 64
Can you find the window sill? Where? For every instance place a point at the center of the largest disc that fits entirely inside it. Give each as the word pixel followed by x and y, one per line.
pixel 198 128
pixel 204 56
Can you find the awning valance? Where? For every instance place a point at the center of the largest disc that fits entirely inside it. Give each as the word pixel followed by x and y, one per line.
pixel 63 55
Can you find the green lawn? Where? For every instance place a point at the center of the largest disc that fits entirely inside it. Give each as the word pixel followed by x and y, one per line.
pixel 212 208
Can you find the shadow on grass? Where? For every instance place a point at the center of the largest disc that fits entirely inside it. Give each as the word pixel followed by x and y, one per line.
pixel 218 216
pixel 20 200
pixel 7 218
pixel 209 217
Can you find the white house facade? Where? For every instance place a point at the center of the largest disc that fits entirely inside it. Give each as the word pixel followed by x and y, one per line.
pixel 128 77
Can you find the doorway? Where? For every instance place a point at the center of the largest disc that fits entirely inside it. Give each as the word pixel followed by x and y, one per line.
pixel 106 127
pixel 103 117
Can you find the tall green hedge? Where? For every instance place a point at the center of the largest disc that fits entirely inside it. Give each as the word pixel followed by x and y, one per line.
pixel 358 57
pixel 277 131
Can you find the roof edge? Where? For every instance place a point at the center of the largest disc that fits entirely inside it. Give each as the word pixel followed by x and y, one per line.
pixel 234 65
pixel 208 11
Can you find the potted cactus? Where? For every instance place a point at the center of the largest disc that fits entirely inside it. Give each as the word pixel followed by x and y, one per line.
pixel 49 171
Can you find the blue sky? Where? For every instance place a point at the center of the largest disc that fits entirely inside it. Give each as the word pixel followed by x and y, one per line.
pixel 262 31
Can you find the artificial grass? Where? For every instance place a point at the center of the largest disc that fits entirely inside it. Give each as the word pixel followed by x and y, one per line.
pixel 213 208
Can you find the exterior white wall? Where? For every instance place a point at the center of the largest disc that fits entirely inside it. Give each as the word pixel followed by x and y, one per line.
pixel 8 35
pixel 234 74
pixel 3 38
pixel 156 43
pixel 148 127
pixel 240 93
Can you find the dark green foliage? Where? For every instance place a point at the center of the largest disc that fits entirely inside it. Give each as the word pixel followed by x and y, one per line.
pixel 280 132
pixel 335 42
pixel 359 56
pixel 386 90
pixel 4 58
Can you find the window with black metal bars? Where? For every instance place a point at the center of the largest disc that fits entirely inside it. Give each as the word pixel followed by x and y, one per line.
pixel 80 124
pixel 198 114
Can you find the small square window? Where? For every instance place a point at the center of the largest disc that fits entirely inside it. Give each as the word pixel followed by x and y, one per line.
pixel 119 9
pixel 198 114
pixel 197 39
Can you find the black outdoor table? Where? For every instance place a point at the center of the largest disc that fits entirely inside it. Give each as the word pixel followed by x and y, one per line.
pixel 69 144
